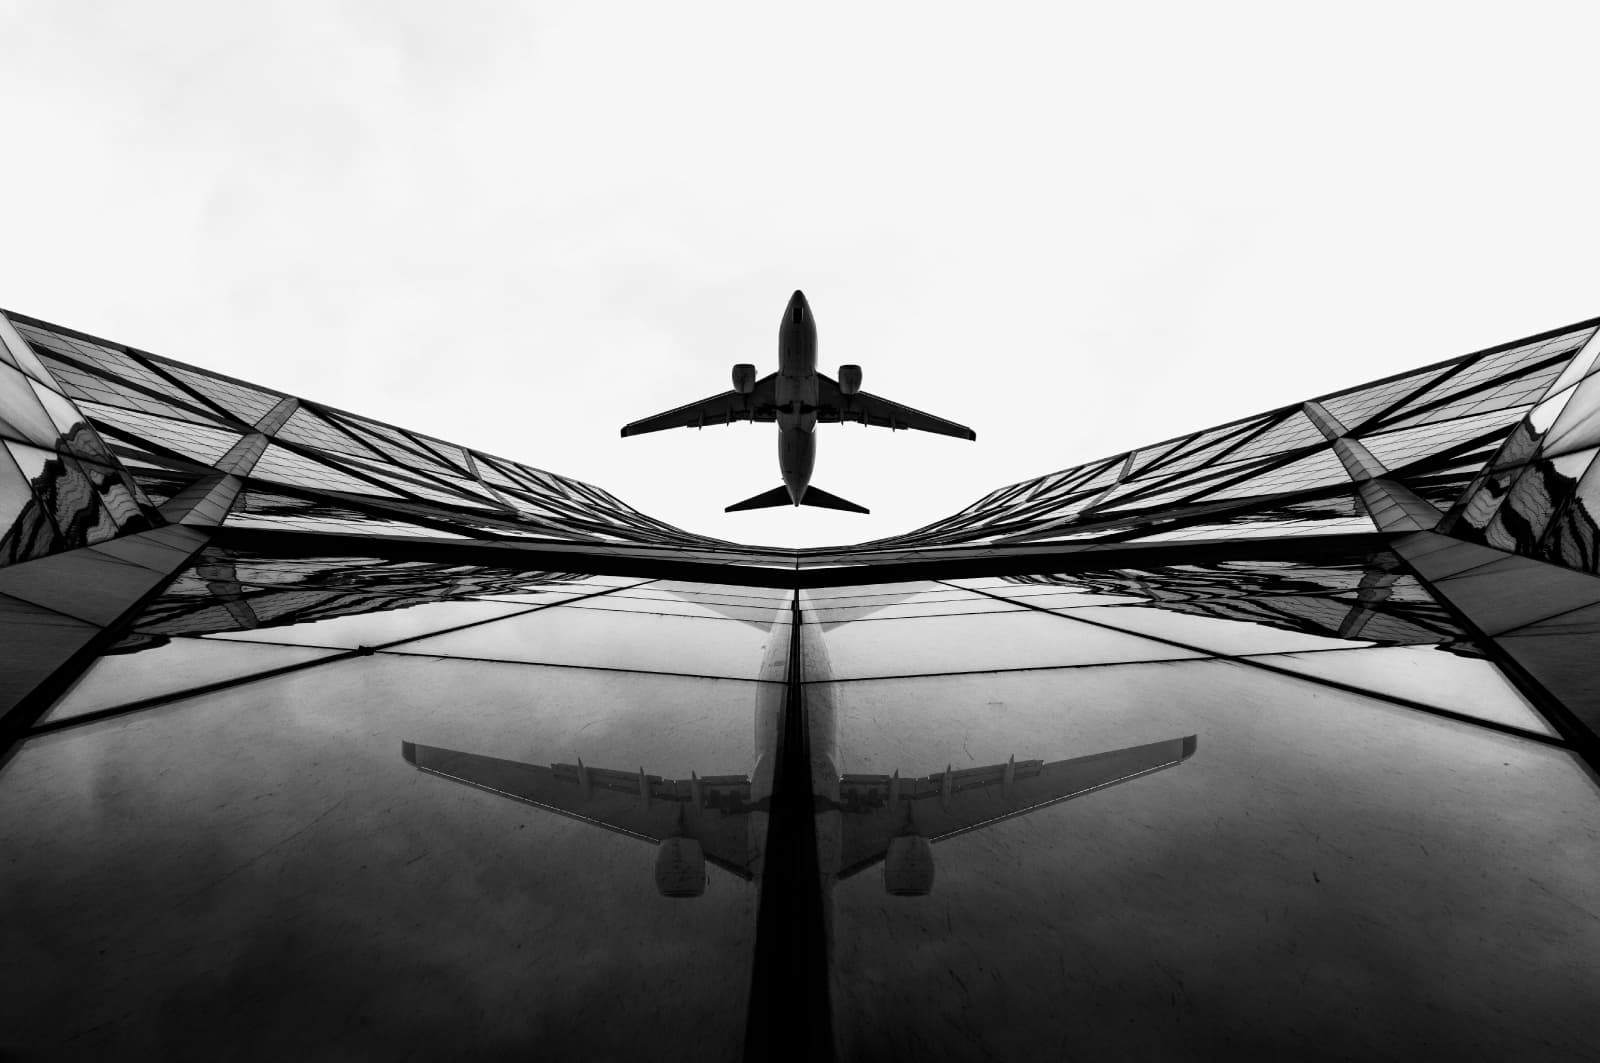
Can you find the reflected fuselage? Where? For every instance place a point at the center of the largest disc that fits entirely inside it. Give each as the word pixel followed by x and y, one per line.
pixel 796 396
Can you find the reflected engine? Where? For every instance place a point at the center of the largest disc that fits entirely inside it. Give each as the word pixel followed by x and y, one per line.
pixel 849 379
pixel 908 867
pixel 680 868
pixel 744 378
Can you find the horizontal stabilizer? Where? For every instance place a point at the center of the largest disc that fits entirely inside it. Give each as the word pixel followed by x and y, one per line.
pixel 778 496
pixel 816 496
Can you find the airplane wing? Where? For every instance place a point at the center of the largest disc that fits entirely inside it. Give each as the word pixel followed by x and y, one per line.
pixel 726 408
pixel 835 406
pixel 713 810
pixel 879 807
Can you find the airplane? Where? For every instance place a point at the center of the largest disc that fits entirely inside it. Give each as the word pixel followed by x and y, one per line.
pixel 797 397
pixel 860 819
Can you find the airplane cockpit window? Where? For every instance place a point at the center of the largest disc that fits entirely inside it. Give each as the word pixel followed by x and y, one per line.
pixel 797 315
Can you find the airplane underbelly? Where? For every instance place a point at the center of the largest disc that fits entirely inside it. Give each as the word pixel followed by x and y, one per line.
pixel 797 454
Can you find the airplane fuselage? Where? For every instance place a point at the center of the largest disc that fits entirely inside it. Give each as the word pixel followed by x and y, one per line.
pixel 796 396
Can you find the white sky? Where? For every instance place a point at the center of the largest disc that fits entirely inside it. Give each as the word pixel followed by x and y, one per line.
pixel 1077 228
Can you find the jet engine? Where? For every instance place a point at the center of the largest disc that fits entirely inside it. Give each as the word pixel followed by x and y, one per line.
pixel 908 866
pixel 681 868
pixel 744 378
pixel 849 379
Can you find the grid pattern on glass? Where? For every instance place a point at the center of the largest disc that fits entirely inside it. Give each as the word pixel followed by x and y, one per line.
pixel 105 360
pixel 196 441
pixel 1504 363
pixel 1291 433
pixel 247 403
pixel 1522 390
pixel 1319 469
pixel 281 465
pixel 82 385
pixel 1408 445
pixel 1355 408
pixel 308 429
pixel 1205 446
pixel 392 441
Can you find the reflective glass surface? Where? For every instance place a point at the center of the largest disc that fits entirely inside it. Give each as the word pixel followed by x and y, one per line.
pixel 1169 754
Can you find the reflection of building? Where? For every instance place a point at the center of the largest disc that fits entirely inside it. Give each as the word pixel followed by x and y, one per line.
pixel 232 617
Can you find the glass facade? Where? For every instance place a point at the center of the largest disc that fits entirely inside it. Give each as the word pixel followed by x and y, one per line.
pixel 324 738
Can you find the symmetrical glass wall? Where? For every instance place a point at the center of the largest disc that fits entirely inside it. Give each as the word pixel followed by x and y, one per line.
pixel 330 739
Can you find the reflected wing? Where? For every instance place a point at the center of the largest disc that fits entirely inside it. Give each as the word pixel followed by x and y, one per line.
pixel 713 810
pixel 726 408
pixel 879 807
pixel 834 405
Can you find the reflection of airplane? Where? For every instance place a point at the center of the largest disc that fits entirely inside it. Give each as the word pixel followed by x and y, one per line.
pixel 797 397
pixel 860 819
pixel 880 817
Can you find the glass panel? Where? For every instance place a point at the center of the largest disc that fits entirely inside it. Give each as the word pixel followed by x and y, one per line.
pixel 1429 675
pixel 198 442
pixel 266 509
pixel 380 628
pixel 916 608
pixel 275 827
pixel 1314 470
pixel 21 353
pixel 1503 364
pixel 1521 390
pixel 21 416
pixel 1203 446
pixel 285 466
pixel 72 427
pixel 28 531
pixel 1399 449
pixel 307 429
pixel 64 490
pixel 1578 425
pixel 618 640
pixel 161 666
pixel 763 616
pixel 247 403
pixel 1355 408
pixel 1580 364
pixel 1314 837
pixel 980 642
pixel 1291 433
pixel 1574 535
pixel 1541 490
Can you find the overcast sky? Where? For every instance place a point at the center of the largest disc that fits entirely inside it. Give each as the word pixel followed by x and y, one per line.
pixel 1077 228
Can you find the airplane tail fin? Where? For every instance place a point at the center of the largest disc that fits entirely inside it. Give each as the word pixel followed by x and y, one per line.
pixel 779 496
pixel 816 496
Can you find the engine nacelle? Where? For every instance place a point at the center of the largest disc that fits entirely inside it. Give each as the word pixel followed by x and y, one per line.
pixel 680 868
pixel 849 379
pixel 908 866
pixel 744 378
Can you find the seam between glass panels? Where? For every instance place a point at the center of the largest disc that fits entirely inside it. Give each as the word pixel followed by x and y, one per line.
pixel 1246 660
pixel 343 654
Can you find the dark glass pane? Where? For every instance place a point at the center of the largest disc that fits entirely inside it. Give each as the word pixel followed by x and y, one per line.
pixel 273 836
pixel 1395 880
pixel 25 527
pixel 64 490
